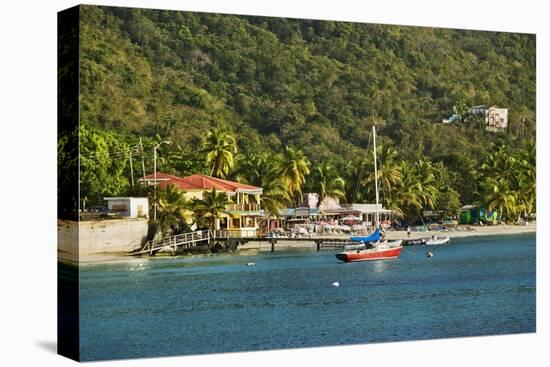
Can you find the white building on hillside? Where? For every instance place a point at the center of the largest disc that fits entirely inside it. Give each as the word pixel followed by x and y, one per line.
pixel 496 118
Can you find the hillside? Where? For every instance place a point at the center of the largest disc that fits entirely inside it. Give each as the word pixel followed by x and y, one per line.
pixel 315 85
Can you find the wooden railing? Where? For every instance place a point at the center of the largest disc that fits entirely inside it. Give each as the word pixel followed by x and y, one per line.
pixel 173 242
pixel 236 233
pixel 252 207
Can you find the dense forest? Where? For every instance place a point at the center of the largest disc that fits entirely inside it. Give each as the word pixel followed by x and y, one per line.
pixel 289 104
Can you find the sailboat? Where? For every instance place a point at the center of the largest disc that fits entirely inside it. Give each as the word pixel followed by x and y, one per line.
pixel 373 248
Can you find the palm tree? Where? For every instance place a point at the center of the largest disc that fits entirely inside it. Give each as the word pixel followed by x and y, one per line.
pixel 292 167
pixel 497 195
pixel 220 149
pixel 500 164
pixel 508 181
pixel 328 183
pixel 172 205
pixel 259 170
pixel 212 205
pixel 448 199
pixel 353 176
pixel 251 168
pixel 527 179
pixel 406 201
pixel 275 196
pixel 390 176
pixel 427 183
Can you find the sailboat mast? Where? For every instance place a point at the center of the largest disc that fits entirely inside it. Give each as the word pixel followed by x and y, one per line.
pixel 375 176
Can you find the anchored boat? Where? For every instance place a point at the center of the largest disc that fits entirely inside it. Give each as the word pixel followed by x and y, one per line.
pixel 437 241
pixel 386 250
pixel 373 249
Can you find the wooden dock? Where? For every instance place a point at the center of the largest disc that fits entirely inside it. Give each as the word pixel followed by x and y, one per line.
pixel 195 239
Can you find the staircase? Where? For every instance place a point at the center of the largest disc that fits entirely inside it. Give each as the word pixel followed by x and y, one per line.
pixel 172 243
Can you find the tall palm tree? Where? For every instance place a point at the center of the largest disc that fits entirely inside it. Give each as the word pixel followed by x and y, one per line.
pixel 251 168
pixel 292 166
pixel 259 169
pixel 508 181
pixel 390 176
pixel 497 195
pixel 172 205
pixel 407 200
pixel 501 163
pixel 275 196
pixel 328 183
pixel 427 183
pixel 220 148
pixel 212 205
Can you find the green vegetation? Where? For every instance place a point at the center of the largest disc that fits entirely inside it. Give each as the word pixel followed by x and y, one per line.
pixel 328 183
pixel 211 206
pixel 288 105
pixel 220 148
pixel 172 205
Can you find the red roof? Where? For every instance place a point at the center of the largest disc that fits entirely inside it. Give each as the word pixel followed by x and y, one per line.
pixel 161 176
pixel 179 183
pixel 203 182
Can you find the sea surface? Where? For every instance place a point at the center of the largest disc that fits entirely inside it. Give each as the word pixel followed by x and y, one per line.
pixel 216 303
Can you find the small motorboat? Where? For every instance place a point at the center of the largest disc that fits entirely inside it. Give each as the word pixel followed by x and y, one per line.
pixel 419 241
pixel 437 241
pixel 429 254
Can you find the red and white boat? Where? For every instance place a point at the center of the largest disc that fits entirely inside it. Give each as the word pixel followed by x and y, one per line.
pixel 372 248
pixel 379 251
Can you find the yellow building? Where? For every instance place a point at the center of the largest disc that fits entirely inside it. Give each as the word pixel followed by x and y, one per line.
pixel 243 213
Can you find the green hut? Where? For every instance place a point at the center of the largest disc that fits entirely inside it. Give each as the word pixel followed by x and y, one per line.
pixel 474 214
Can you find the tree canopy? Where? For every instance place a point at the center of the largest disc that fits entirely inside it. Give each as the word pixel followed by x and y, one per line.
pixel 249 98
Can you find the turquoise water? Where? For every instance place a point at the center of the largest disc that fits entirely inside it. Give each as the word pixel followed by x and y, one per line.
pixel 216 303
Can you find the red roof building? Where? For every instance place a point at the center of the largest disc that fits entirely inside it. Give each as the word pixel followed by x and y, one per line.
pixel 243 213
pixel 199 182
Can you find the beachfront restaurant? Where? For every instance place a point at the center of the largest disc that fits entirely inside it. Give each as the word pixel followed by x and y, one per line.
pixel 367 213
pixel 243 213
pixel 336 219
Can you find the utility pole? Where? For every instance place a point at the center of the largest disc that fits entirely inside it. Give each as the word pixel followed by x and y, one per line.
pixel 131 166
pixel 155 177
pixel 142 159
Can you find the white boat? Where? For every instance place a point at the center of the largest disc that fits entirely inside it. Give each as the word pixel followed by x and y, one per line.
pixel 437 241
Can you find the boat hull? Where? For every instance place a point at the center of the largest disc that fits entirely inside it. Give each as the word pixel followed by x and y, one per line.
pixel 369 255
pixel 438 242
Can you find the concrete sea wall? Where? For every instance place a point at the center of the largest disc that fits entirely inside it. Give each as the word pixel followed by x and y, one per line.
pixel 100 236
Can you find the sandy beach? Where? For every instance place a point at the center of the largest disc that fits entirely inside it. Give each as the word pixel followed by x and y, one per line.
pixel 476 231
pixel 402 235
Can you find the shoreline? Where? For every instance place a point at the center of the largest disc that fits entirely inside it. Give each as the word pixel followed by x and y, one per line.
pixel 256 246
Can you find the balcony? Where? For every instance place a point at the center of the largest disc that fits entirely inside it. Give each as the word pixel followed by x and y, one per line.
pixel 253 207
